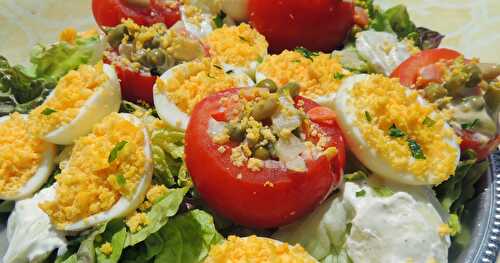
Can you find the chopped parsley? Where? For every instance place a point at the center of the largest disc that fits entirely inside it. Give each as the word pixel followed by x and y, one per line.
pixel 356 176
pixel 219 19
pixel 395 132
pixel 428 122
pixel 120 179
pixel 338 76
pixel 230 71
pixel 471 125
pixel 296 61
pixel 368 116
pixel 360 193
pixel 219 67
pixel 244 39
pixel 306 52
pixel 48 111
pixel 114 153
pixel 260 59
pixel 416 150
pixel 383 191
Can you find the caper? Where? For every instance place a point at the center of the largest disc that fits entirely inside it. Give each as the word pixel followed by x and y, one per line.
pixel 264 109
pixel 474 73
pixel 236 133
pixel 292 89
pixel 434 92
pixel 476 102
pixel 115 35
pixel 156 57
pixel 492 97
pixel 153 43
pixel 489 71
pixel 262 153
pixel 272 151
pixel 268 84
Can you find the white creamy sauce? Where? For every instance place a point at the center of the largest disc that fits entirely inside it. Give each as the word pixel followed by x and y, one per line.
pixel 29 231
pixel 398 228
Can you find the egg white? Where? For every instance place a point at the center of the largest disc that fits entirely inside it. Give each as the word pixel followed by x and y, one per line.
pixel 105 100
pixel 124 205
pixel 168 110
pixel 346 118
pixel 236 9
pixel 41 175
pixel 205 27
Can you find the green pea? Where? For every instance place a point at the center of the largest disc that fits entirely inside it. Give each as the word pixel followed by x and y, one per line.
pixel 264 109
pixel 492 97
pixel 475 75
pixel 156 57
pixel 268 84
pixel 434 92
pixel 153 43
pixel 262 153
pixel 237 133
pixel 292 88
pixel 115 35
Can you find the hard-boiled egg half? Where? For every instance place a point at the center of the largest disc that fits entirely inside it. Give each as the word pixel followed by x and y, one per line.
pixel 200 17
pixel 81 98
pixel 394 132
pixel 319 75
pixel 239 48
pixel 236 9
pixel 25 161
pixel 257 249
pixel 106 177
pixel 179 89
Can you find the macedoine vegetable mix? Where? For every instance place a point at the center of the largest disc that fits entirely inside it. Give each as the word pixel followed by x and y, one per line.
pixel 243 131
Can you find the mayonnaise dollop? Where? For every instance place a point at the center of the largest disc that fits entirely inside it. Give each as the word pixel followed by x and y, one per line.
pixel 29 231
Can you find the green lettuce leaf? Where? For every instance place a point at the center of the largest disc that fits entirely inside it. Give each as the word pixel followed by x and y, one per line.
pixel 168 157
pixel 82 250
pixel 116 234
pixel 54 61
pixel 158 215
pixel 20 91
pixel 188 238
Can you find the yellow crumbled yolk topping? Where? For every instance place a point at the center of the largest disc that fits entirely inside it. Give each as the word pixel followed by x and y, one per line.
pixel 154 194
pixel 380 103
pixel 66 101
pixel 20 154
pixel 106 249
pixel 257 249
pixel 316 76
pixel 98 173
pixel 237 45
pixel 137 221
pixel 205 77
pixel 444 230
pixel 68 35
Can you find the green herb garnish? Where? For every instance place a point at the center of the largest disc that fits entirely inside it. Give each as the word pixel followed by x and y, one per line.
pixel 416 150
pixel 48 111
pixel 244 39
pixel 219 19
pixel 114 153
pixel 296 61
pixel 219 67
pixel 356 176
pixel 230 71
pixel 428 122
pixel 120 179
pixel 338 76
pixel 360 193
pixel 395 132
pixel 471 125
pixel 383 191
pixel 306 52
pixel 368 116
pixel 260 59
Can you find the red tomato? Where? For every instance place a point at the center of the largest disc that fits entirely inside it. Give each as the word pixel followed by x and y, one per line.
pixel 409 71
pixel 482 150
pixel 269 198
pixel 322 114
pixel 111 12
pixel 320 25
pixel 136 86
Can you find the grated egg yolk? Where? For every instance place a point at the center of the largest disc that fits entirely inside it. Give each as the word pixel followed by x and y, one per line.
pixel 257 249
pixel 66 101
pixel 388 103
pixel 316 76
pixel 205 77
pixel 137 221
pixel 90 183
pixel 20 154
pixel 237 45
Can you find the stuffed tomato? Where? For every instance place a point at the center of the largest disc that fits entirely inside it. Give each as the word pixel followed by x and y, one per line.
pixel 263 157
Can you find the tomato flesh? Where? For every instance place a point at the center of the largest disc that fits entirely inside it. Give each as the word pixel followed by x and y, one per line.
pixel 109 13
pixel 320 25
pixel 409 71
pixel 136 86
pixel 268 198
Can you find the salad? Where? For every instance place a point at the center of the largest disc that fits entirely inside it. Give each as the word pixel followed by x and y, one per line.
pixel 243 131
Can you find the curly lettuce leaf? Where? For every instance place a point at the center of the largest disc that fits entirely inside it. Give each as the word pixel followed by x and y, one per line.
pixel 188 238
pixel 159 215
pixel 20 91
pixel 116 234
pixel 54 61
